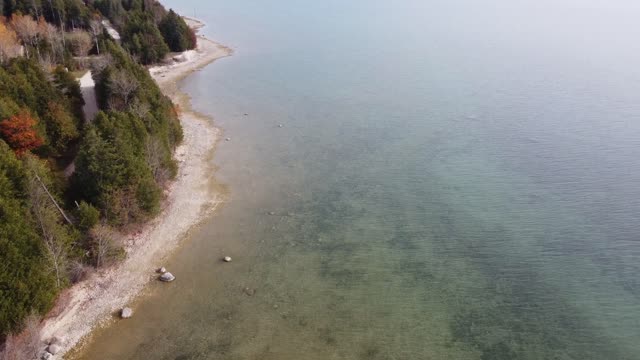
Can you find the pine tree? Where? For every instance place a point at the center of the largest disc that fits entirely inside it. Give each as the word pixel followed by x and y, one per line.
pixel 25 283
pixel 177 34
pixel 142 38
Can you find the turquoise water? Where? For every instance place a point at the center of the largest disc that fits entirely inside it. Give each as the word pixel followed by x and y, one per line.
pixel 453 180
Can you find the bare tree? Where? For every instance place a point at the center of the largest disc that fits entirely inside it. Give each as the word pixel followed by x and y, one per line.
pixel 27 30
pixel 100 63
pixel 47 62
pixel 31 335
pixel 123 205
pixel 36 8
pixel 140 109
pixel 95 27
pixel 54 38
pixel 27 344
pixel 60 22
pixel 13 349
pixel 48 217
pixel 124 86
pixel 78 271
pixel 158 12
pixel 154 154
pixel 9 46
pixel 105 244
pixel 80 42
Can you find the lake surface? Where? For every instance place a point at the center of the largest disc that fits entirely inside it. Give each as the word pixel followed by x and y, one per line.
pixel 452 180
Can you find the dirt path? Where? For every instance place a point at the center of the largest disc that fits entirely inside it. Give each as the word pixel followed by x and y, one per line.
pixel 88 88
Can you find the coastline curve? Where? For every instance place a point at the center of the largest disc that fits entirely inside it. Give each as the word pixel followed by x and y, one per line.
pixel 189 200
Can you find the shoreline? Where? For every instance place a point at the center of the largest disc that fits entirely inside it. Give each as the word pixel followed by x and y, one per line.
pixel 189 200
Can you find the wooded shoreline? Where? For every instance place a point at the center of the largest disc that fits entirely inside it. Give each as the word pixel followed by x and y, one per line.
pixel 93 202
pixel 189 200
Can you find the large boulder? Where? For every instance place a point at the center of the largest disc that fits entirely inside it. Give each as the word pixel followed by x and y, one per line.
pixel 167 277
pixel 54 349
pixel 55 340
pixel 126 313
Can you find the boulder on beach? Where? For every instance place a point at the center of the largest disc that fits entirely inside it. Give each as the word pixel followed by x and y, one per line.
pixel 126 313
pixel 161 270
pixel 54 349
pixel 55 340
pixel 227 259
pixel 167 277
pixel 185 56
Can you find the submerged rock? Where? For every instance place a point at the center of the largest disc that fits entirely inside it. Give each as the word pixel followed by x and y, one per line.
pixel 167 277
pixel 54 349
pixel 249 291
pixel 227 259
pixel 227 139
pixel 126 313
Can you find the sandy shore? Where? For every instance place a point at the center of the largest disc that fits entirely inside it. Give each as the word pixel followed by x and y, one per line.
pixel 189 200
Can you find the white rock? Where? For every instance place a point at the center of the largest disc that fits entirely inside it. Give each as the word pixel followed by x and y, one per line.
pixel 46 356
pixel 227 139
pixel 167 277
pixel 126 313
pixel 227 259
pixel 53 349
pixel 162 270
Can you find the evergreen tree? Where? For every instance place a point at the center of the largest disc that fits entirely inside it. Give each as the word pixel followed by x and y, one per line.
pixel 142 38
pixel 70 88
pixel 112 171
pixel 112 9
pixel 177 34
pixel 54 106
pixel 25 283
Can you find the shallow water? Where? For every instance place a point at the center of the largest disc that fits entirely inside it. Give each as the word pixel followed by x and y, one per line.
pixel 451 181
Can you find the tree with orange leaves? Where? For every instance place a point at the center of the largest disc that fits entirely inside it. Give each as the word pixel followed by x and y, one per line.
pixel 19 132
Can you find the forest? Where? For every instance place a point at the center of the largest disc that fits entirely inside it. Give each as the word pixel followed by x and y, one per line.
pixel 68 183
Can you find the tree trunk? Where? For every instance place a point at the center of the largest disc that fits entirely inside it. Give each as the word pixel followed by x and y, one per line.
pixel 54 200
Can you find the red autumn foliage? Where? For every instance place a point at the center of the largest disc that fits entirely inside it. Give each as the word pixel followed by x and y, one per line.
pixel 20 133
